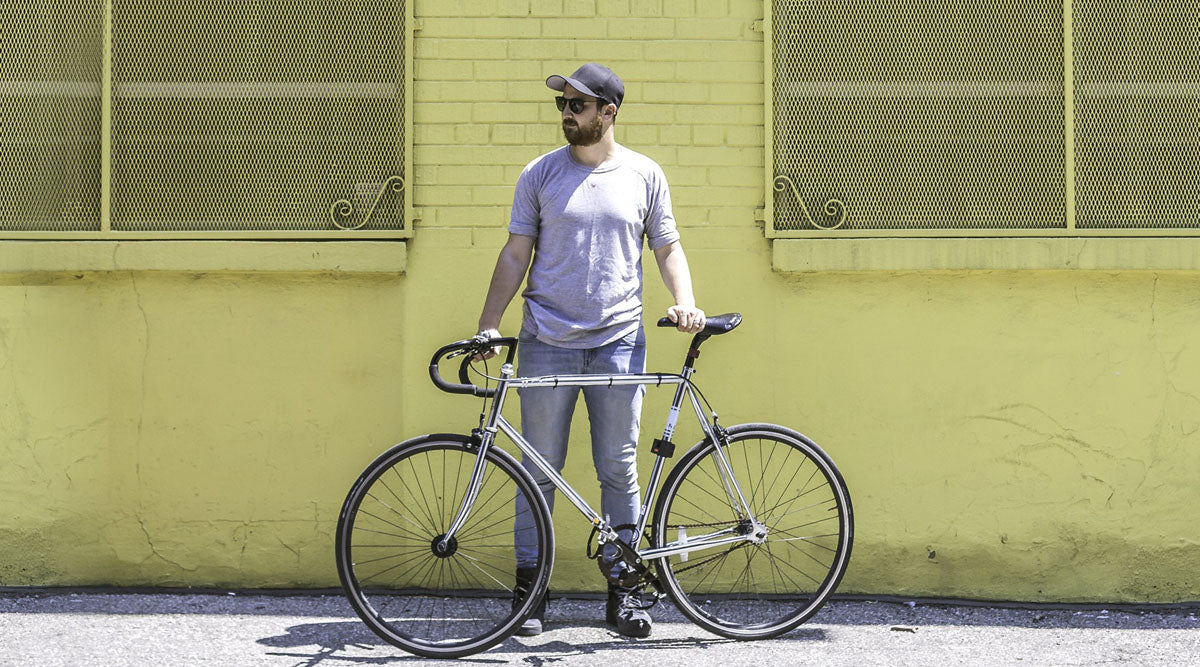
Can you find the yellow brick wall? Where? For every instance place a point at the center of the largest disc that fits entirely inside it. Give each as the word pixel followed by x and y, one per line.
pixel 694 99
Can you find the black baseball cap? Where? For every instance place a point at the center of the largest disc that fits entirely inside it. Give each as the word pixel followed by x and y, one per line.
pixel 592 79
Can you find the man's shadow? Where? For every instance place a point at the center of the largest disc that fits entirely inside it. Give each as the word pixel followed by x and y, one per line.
pixel 334 639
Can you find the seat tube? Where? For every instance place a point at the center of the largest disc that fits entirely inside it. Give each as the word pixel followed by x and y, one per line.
pixel 668 431
pixel 677 402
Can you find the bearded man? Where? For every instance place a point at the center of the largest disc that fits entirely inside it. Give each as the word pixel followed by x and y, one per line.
pixel 579 217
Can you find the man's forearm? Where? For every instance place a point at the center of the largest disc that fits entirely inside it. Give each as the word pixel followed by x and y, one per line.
pixel 510 270
pixel 676 275
pixel 505 283
pixel 673 265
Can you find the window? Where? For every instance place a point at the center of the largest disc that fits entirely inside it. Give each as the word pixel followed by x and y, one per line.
pixel 50 55
pixel 989 118
pixel 228 120
pixel 1137 107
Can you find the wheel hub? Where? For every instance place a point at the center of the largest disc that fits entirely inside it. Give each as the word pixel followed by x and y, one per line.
pixel 755 531
pixel 445 551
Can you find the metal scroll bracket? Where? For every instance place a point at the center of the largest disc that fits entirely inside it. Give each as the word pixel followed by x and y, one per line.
pixel 835 210
pixel 342 210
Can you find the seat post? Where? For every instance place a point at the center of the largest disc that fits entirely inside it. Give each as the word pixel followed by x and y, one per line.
pixel 693 353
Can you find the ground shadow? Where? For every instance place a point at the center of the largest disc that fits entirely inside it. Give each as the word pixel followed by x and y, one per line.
pixel 334 639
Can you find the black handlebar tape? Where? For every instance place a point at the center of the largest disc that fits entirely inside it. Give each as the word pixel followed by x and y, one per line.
pixel 665 322
pixel 436 376
pixel 463 376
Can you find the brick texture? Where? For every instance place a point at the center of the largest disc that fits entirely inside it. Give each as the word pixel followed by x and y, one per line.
pixel 693 71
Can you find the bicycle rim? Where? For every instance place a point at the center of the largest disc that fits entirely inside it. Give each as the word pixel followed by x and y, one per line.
pixel 748 590
pixel 430 598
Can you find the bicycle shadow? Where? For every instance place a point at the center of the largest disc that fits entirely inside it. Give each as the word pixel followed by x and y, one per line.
pixel 334 641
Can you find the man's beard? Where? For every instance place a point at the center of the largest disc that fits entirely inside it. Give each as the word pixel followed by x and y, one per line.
pixel 583 135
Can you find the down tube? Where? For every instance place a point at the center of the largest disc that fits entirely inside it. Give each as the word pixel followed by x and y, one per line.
pixel 548 470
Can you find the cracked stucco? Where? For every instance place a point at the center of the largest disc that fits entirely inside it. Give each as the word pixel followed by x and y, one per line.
pixel 1021 435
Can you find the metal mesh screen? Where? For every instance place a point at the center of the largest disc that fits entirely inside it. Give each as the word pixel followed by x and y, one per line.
pixel 50 55
pixel 1137 103
pixel 890 114
pixel 258 115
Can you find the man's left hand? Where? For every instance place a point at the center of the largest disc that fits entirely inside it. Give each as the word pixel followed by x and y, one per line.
pixel 686 319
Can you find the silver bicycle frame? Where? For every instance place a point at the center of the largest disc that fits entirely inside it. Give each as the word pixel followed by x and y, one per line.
pixel 497 423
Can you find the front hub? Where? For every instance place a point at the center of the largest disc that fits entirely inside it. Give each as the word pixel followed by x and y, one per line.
pixel 444 551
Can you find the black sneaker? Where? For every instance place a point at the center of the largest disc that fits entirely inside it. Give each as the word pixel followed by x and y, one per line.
pixel 532 625
pixel 625 611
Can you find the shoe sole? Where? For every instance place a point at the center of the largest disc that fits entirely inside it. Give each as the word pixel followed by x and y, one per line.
pixel 525 631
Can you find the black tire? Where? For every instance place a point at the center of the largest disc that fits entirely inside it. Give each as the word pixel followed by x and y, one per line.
pixel 747 590
pixel 460 601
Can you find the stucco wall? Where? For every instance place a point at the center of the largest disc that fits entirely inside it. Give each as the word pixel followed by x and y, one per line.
pixel 1022 435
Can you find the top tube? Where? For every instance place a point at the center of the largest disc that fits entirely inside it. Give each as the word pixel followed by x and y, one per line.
pixel 598 380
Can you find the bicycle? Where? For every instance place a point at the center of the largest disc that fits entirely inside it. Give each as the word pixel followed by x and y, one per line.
pixel 750 534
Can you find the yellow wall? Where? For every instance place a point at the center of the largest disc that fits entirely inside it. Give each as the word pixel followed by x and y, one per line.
pixel 1013 434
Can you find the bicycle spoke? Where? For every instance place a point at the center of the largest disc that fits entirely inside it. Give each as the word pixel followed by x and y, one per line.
pixel 795 586
pixel 394 555
pixel 474 562
pixel 434 523
pixel 785 488
pixel 389 569
pixel 506 520
pixel 380 532
pixel 393 510
pixel 396 526
pixel 792 501
pixel 710 514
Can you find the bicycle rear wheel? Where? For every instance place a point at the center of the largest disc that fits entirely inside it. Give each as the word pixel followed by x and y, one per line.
pixel 431 599
pixel 747 590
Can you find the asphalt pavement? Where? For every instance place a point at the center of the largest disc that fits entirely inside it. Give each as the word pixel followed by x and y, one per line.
pixel 85 627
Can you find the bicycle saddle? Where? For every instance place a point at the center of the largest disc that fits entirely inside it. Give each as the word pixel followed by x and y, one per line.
pixel 713 326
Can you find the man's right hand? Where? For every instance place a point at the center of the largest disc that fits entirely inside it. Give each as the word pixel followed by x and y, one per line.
pixel 490 352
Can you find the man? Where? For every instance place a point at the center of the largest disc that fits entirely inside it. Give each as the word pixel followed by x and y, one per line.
pixel 578 219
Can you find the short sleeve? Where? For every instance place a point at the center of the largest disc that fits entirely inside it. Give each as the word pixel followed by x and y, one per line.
pixel 660 220
pixel 526 214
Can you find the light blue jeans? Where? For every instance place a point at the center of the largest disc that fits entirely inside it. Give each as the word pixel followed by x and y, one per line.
pixel 614 414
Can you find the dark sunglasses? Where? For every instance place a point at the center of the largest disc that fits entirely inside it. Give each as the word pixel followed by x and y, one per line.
pixel 577 104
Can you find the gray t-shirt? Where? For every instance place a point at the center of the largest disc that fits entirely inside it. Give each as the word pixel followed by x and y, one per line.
pixel 585 282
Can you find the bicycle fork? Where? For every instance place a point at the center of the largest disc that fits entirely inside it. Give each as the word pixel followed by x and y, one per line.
pixel 482 439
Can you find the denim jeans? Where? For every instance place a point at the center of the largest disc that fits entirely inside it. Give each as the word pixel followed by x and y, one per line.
pixel 614 414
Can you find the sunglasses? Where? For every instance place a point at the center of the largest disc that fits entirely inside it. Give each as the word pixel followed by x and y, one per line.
pixel 577 104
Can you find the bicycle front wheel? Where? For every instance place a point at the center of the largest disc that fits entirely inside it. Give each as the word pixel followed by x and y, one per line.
pixel 749 590
pixel 430 596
